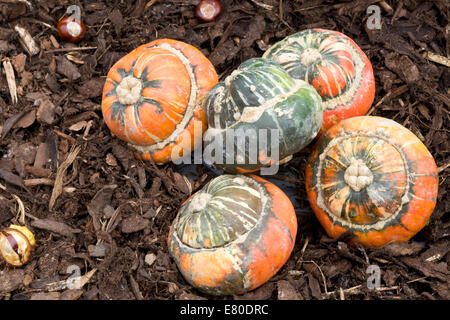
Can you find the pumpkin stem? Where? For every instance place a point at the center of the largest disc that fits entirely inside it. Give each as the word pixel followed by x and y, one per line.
pixel 358 175
pixel 129 90
pixel 310 56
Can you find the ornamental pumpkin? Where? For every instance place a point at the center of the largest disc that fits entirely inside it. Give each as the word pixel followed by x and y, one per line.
pixel 372 177
pixel 335 65
pixel 233 235
pixel 260 101
pixel 153 98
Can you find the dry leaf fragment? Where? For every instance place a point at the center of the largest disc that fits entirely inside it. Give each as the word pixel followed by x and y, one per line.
pixel 10 122
pixel 11 178
pixel 74 59
pixel 54 42
pixel 18 62
pixel 78 126
pixel 27 41
pixel 55 226
pixel 11 79
pixel 58 188
pixel 98 203
pixel 111 160
pixel 46 112
pixel 437 58
pixel 26 120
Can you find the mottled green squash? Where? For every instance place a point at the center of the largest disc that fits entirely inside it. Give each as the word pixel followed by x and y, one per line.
pixel 260 101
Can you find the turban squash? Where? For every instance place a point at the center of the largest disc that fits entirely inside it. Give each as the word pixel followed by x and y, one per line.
pixel 233 235
pixel 336 67
pixel 373 177
pixel 153 98
pixel 259 100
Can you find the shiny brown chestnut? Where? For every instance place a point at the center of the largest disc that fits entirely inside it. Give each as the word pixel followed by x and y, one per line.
pixel 208 10
pixel 71 29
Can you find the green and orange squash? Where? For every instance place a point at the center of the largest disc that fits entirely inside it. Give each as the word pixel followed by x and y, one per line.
pixel 153 98
pixel 259 100
pixel 373 177
pixel 233 235
pixel 335 65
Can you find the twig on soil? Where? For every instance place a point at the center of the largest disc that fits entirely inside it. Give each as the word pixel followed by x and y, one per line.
pixel 386 7
pixel 149 4
pixel 341 294
pixel 262 5
pixel 357 290
pixel 45 182
pixel 103 53
pixel 305 245
pixel 58 188
pixel 21 211
pixel 281 13
pixel 394 93
pixel 65 136
pixel 70 49
pixel 135 288
pixel 443 167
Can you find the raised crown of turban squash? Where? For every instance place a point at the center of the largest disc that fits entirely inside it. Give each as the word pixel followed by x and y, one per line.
pixel 233 235
pixel 153 98
pixel 373 177
pixel 336 67
pixel 260 100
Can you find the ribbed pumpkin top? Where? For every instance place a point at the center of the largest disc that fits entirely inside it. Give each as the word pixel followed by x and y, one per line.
pixel 227 208
pixel 325 59
pixel 363 178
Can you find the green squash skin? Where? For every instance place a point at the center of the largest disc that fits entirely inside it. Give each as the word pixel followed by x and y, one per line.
pixel 281 103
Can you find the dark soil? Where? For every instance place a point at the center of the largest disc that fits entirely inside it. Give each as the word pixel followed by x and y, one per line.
pixel 99 211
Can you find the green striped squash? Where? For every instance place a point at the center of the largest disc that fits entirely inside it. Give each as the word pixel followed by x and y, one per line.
pixel 233 235
pixel 260 100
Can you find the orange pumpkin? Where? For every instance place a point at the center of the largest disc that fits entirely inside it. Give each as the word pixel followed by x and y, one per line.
pixel 334 65
pixel 233 235
pixel 373 177
pixel 153 98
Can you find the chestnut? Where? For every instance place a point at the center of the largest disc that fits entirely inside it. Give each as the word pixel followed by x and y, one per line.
pixel 208 10
pixel 71 29
pixel 16 243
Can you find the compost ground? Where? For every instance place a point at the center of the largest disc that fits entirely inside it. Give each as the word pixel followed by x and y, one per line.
pixel 98 212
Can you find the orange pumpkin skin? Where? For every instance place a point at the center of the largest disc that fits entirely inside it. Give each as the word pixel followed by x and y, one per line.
pixel 373 177
pixel 226 266
pixel 334 65
pixel 153 98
